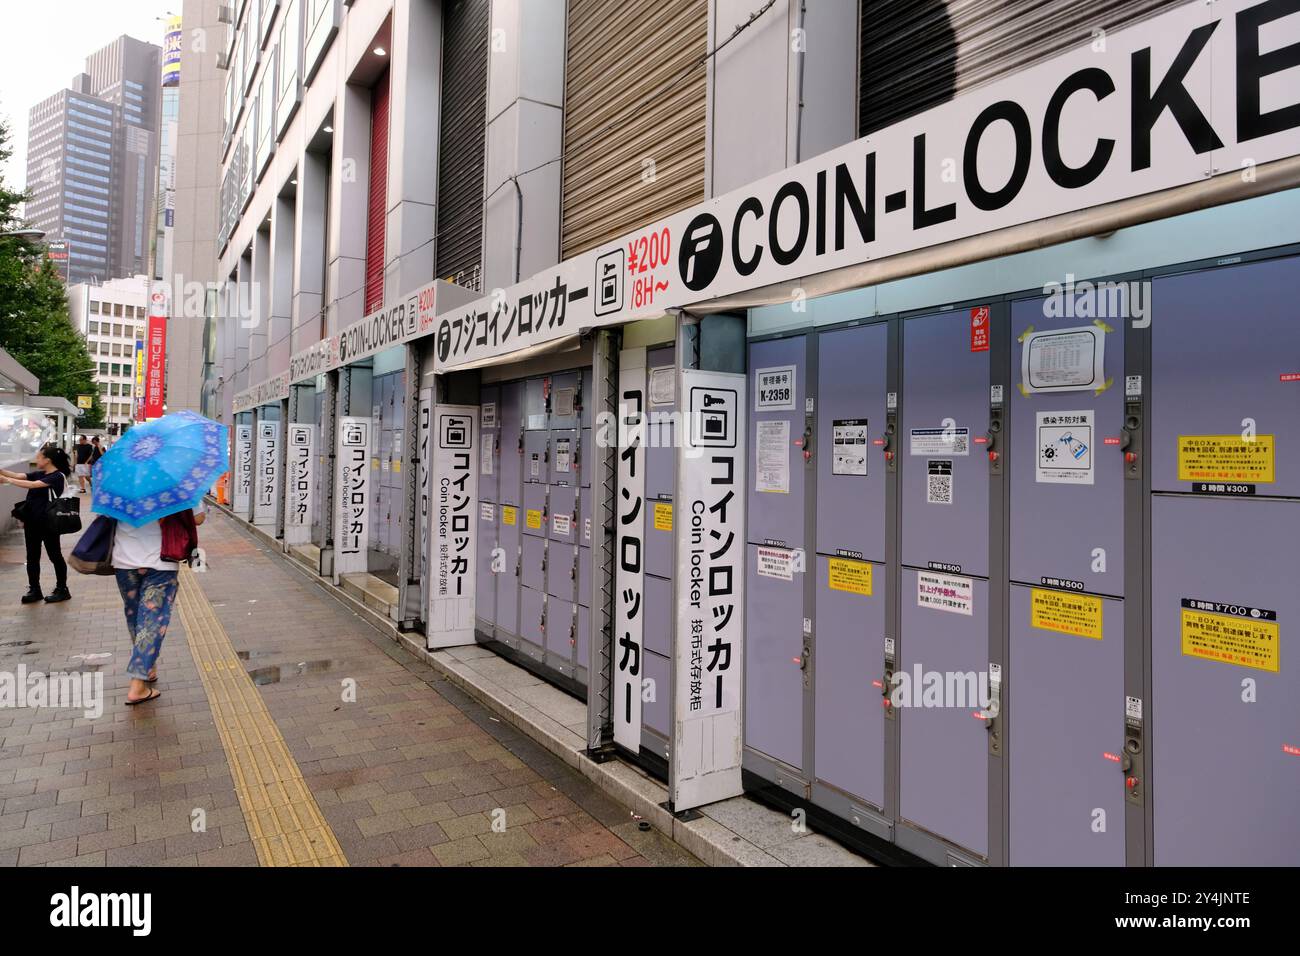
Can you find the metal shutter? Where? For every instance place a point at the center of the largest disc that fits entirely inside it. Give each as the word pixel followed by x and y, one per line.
pixel 916 54
pixel 377 200
pixel 633 91
pixel 460 142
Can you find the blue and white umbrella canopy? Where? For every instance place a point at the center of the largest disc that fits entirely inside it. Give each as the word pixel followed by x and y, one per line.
pixel 159 468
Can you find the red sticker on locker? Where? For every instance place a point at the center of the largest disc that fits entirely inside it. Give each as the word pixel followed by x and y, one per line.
pixel 981 441
pixel 979 328
pixel 1110 441
pixel 1112 757
pixel 1293 751
pixel 1290 376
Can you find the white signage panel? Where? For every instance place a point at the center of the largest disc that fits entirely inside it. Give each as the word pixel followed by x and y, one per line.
pixel 708 640
pixel 352 496
pixel 243 476
pixel 268 473
pixel 300 458
pixel 629 569
pixel 452 520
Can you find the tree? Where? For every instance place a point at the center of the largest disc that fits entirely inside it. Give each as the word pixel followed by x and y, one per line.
pixel 35 327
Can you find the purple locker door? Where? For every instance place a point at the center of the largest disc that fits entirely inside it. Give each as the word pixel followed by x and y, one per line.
pixel 586 463
pixel 1065 737
pixel 583 617
pixel 561 570
pixel 534 519
pixel 944 481
pixel 584 519
pixel 1225 776
pixel 562 524
pixel 851 388
pixel 563 465
pixel 507 579
pixel 532 565
pixel 777 514
pixel 654 712
pixel 534 460
pixel 1085 516
pixel 532 607
pixel 534 408
pixel 561 634
pixel 489 467
pixel 565 400
pixel 1224 346
pixel 584 576
pixel 485 584
pixel 658 604
pixel 944 749
pixel 849 724
pixel 510 413
pixel 773 658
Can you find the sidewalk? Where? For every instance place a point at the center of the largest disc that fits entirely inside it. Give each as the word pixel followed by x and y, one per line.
pixel 342 748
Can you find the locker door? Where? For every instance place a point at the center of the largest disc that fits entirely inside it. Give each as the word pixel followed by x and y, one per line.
pixel 849 626
pixel 510 503
pixel 563 456
pixel 507 580
pixel 1224 721
pixel 658 653
pixel 943 486
pixel 485 580
pixel 1065 613
pixel 510 412
pixel 774 600
pixel 659 469
pixel 489 470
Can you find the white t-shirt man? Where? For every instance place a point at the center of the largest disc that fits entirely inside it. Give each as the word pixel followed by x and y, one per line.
pixel 141 547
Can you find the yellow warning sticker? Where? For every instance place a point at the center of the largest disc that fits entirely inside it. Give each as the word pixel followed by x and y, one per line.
pixel 374 462
pixel 534 518
pixel 663 516
pixel 1225 458
pixel 1066 613
pixel 508 515
pixel 397 464
pixel 851 576
pixel 1232 640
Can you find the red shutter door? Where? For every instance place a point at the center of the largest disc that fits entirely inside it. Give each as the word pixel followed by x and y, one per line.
pixel 378 196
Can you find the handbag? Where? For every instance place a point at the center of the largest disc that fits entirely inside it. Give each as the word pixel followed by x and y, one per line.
pixel 180 536
pixel 94 551
pixel 64 513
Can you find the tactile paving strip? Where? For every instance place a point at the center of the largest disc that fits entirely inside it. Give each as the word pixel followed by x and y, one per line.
pixel 284 822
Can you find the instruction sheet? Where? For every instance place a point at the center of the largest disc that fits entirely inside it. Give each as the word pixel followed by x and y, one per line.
pixel 1063 360
pixel 773 471
pixel 850 446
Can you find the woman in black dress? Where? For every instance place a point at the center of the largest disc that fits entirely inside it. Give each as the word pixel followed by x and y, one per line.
pixel 52 468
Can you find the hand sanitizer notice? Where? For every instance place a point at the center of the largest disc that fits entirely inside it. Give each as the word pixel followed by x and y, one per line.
pixel 1065 448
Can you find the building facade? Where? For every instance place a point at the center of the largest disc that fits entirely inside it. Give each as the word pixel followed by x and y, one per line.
pixel 114 319
pixel 93 159
pixel 831 402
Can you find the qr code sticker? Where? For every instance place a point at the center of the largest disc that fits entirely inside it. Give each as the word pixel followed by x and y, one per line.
pixel 939 490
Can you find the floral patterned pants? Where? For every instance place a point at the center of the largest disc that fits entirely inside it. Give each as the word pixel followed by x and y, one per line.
pixel 147 597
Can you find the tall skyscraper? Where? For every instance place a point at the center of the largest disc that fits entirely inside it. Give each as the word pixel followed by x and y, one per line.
pixel 92 162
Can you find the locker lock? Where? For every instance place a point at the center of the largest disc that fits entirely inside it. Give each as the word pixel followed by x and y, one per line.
pixel 806 443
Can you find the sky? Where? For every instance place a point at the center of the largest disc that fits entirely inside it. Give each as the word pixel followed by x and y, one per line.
pixel 45 43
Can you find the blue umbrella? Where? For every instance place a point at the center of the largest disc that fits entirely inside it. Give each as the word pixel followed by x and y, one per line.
pixel 159 468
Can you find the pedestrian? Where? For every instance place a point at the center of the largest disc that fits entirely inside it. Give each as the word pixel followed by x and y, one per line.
pixel 84 452
pixel 147 581
pixel 43 484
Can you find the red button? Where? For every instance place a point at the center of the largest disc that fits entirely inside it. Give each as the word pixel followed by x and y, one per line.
pixel 993 456
pixel 1130 456
pixel 889 456
pixel 1131 783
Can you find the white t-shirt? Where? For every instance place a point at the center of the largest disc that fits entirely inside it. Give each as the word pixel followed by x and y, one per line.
pixel 142 547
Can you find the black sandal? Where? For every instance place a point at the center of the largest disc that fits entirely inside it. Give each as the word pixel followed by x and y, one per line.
pixel 153 695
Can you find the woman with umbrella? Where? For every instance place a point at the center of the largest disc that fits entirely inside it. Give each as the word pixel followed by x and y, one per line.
pixel 152 482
